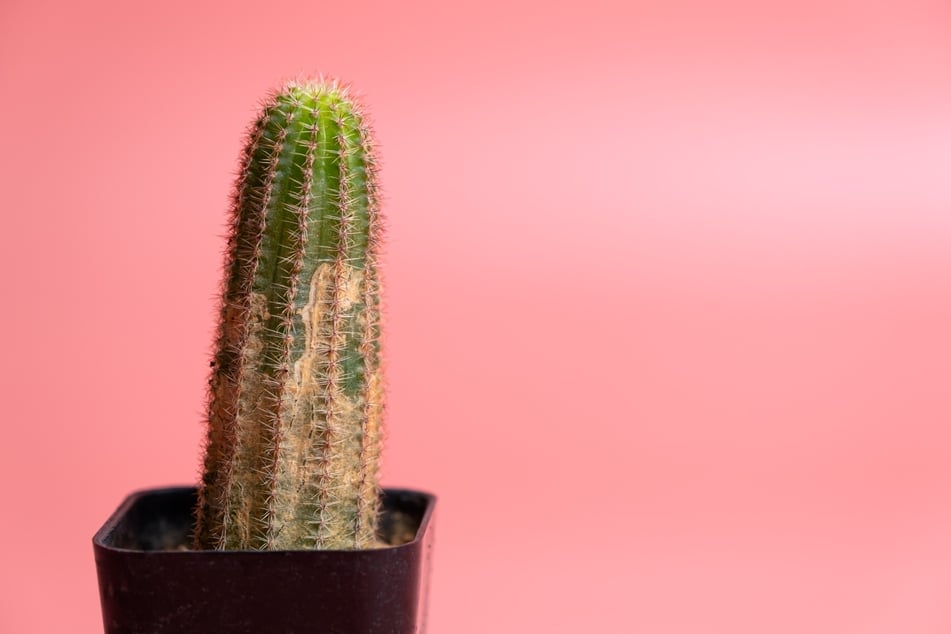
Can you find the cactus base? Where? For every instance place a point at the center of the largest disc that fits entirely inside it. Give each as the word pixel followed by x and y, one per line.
pixel 150 582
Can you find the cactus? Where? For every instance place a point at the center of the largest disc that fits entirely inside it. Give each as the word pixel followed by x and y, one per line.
pixel 295 396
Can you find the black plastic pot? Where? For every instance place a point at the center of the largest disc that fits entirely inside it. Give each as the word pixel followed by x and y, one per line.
pixel 149 583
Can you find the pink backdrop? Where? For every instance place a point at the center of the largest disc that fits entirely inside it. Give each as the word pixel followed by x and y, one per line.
pixel 669 291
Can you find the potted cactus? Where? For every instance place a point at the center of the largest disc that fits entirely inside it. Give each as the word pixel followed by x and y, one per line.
pixel 288 530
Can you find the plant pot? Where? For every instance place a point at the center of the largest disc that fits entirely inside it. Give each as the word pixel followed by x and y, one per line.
pixel 150 582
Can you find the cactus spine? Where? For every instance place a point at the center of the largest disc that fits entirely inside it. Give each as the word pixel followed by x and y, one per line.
pixel 295 396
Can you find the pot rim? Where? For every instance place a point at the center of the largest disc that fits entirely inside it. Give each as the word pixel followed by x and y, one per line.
pixel 102 538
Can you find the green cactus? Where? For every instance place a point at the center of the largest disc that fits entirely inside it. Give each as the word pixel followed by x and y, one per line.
pixel 296 394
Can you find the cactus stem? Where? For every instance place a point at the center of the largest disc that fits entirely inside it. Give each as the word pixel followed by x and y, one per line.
pixel 296 396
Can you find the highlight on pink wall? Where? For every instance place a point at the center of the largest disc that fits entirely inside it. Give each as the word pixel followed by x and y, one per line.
pixel 667 289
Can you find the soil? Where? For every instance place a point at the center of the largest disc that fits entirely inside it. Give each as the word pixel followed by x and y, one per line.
pixel 394 528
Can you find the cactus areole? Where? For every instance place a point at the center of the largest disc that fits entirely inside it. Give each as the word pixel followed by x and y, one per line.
pixel 296 392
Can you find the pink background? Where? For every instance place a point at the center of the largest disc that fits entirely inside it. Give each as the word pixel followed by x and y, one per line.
pixel 669 291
